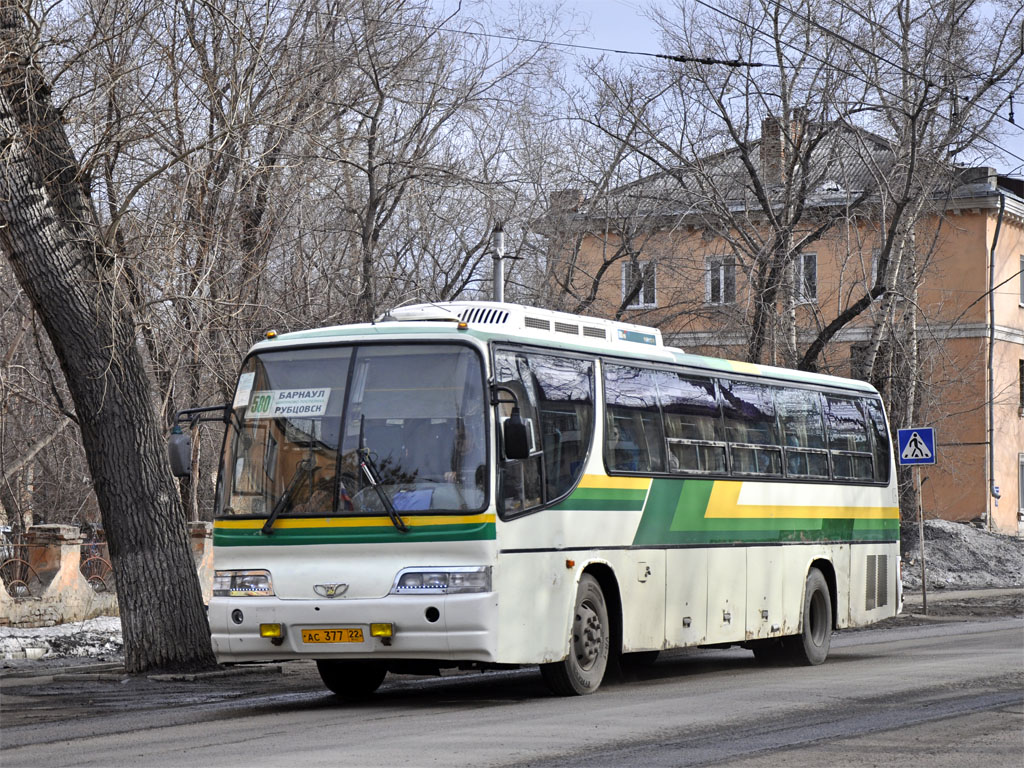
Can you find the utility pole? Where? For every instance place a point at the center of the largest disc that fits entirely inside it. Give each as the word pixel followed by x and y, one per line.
pixel 498 249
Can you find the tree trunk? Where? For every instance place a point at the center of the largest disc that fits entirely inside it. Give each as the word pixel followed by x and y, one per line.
pixel 49 234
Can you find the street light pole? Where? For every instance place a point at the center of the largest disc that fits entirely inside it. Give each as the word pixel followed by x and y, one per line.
pixel 498 248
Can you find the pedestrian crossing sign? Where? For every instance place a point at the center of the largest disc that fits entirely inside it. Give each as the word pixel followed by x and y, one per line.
pixel 916 445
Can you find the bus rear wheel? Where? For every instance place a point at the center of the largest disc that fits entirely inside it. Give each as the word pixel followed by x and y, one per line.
pixel 811 646
pixel 353 680
pixel 582 671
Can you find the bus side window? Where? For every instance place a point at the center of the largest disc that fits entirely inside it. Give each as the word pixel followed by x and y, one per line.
pixel 556 398
pixel 803 433
pixel 848 439
pixel 880 435
pixel 749 411
pixel 693 424
pixel 519 480
pixel 565 393
pixel 634 439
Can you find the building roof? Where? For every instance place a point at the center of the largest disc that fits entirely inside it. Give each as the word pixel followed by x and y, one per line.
pixel 845 163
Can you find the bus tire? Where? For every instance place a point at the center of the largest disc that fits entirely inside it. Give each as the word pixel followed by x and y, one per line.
pixel 351 680
pixel 811 646
pixel 582 670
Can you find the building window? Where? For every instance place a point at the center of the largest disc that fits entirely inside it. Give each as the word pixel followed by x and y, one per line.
pixel 720 285
pixel 639 276
pixel 807 277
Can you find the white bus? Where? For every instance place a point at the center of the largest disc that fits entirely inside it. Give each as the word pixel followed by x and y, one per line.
pixel 479 484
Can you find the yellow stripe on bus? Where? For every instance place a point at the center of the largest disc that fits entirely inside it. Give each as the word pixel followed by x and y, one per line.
pixel 723 504
pixel 618 483
pixel 741 367
pixel 356 522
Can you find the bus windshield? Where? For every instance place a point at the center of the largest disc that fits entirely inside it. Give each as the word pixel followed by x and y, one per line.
pixel 301 417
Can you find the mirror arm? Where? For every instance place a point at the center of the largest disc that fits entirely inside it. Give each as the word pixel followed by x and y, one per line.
pixel 496 400
pixel 194 415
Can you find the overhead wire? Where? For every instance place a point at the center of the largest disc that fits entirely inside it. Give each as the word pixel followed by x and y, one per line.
pixel 809 54
pixel 880 28
pixel 874 54
pixel 735 63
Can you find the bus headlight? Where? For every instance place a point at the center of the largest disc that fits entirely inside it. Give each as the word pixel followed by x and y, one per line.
pixel 242 584
pixel 442 581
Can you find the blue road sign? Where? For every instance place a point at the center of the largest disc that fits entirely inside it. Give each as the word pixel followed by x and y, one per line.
pixel 916 445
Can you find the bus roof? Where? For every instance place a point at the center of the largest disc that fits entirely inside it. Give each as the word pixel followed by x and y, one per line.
pixel 515 322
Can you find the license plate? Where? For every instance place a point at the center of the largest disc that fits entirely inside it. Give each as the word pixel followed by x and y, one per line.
pixel 336 635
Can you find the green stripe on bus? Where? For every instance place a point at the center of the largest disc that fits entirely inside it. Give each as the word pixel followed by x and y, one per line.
pixel 675 514
pixel 770 536
pixel 636 495
pixel 600 504
pixel 370 535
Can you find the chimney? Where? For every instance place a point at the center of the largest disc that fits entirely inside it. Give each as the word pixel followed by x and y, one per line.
pixel 774 143
pixel 981 175
pixel 771 150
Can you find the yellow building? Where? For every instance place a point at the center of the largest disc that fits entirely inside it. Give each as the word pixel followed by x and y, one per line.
pixel 644 254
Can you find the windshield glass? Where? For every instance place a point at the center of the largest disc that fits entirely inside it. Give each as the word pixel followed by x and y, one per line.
pixel 300 417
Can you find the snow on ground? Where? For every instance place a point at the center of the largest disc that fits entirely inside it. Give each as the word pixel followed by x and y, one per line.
pixel 98 639
pixel 961 556
pixel 957 556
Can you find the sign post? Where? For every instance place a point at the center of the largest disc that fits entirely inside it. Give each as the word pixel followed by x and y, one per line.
pixel 916 447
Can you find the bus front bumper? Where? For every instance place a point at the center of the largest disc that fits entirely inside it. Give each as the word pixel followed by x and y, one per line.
pixel 460 627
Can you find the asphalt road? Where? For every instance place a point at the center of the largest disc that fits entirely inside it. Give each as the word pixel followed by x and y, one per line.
pixel 944 694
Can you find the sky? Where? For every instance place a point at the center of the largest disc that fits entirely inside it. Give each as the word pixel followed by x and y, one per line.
pixel 621 25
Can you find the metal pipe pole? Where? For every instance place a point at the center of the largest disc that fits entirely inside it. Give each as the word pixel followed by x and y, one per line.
pixel 498 247
pixel 920 542
pixel 991 364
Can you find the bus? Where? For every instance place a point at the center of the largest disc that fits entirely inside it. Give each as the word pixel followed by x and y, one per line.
pixel 477 484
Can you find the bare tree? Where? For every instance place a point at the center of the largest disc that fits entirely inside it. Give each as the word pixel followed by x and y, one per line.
pixel 50 236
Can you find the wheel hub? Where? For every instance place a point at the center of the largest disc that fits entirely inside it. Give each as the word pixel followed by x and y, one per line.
pixel 587 636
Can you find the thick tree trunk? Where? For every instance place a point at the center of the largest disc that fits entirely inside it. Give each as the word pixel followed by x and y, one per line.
pixel 48 233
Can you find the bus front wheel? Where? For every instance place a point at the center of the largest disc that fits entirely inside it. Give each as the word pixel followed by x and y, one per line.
pixel 811 646
pixel 351 680
pixel 583 669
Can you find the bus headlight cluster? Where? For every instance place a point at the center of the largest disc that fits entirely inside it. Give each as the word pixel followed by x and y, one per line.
pixel 242 584
pixel 443 581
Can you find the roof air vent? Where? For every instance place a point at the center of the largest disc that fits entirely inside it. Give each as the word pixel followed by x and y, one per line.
pixel 484 315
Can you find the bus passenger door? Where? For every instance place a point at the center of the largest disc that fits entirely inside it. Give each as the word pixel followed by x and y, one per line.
pixel 727 594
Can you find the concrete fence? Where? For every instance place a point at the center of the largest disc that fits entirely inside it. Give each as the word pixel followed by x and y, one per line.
pixel 53 577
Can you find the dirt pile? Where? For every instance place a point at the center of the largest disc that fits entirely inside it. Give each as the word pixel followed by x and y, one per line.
pixel 961 556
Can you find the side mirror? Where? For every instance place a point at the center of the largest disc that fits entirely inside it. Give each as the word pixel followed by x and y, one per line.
pixel 179 451
pixel 516 436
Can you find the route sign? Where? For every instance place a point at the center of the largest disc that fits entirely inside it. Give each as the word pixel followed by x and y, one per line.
pixel 916 445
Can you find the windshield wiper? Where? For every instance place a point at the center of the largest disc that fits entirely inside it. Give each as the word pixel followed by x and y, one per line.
pixel 304 467
pixel 369 468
